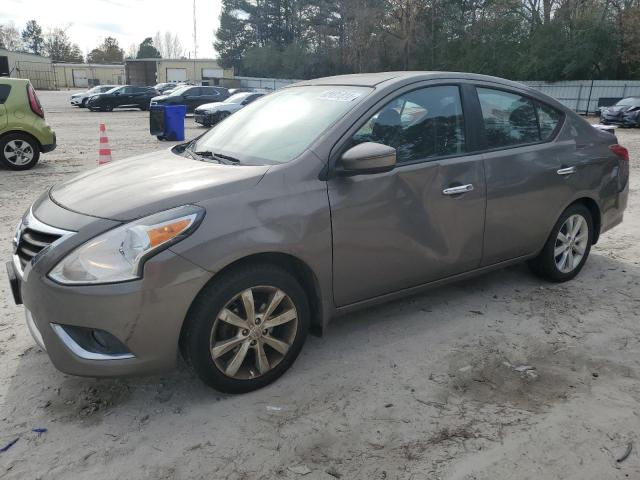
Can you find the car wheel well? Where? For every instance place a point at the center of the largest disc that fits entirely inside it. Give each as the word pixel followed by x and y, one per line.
pixel 594 210
pixel 299 269
pixel 22 132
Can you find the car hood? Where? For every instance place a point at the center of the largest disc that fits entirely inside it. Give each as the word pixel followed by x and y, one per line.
pixel 617 108
pixel 219 106
pixel 139 186
pixel 159 98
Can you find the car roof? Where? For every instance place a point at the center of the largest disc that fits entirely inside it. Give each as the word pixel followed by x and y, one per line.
pixel 374 79
pixel 13 81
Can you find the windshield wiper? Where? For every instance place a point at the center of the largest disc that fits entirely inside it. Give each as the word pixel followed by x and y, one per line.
pixel 219 156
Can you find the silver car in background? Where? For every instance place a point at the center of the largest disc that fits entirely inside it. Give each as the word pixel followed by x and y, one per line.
pixel 211 113
pixel 80 99
pixel 323 197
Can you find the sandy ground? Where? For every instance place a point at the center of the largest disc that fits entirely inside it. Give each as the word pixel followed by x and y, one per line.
pixel 502 376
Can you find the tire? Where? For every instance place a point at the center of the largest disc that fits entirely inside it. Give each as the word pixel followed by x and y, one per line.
pixel 107 108
pixel 27 155
pixel 547 264
pixel 204 328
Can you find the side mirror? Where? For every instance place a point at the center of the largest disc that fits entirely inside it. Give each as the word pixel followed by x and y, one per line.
pixel 368 157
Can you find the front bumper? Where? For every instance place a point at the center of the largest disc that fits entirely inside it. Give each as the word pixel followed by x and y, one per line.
pixel 625 120
pixel 145 315
pixel 207 119
pixel 76 101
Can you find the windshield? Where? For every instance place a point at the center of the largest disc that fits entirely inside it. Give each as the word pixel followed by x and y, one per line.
pixel 95 90
pixel 237 98
pixel 113 89
pixel 281 125
pixel 178 91
pixel 628 102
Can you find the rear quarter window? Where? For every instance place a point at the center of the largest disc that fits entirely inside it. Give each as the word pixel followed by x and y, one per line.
pixel 549 119
pixel 5 90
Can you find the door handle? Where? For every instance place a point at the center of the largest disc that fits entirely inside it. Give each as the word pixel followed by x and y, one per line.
pixel 566 171
pixel 458 190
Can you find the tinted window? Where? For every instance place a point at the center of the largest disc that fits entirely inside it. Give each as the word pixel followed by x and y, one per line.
pixel 422 124
pixel 509 119
pixel 126 90
pixel 4 92
pixel 549 119
pixel 194 92
pixel 209 91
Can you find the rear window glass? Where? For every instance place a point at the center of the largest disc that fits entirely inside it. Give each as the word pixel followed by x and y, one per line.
pixel 509 119
pixel 4 92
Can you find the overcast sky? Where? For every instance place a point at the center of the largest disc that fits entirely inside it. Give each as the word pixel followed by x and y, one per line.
pixel 129 21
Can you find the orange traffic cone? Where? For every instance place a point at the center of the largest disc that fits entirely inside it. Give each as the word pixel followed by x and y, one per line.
pixel 104 154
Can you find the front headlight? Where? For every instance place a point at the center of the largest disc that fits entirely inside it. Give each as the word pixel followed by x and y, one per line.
pixel 119 254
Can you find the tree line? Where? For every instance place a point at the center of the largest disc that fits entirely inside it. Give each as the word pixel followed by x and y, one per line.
pixel 519 39
pixel 56 44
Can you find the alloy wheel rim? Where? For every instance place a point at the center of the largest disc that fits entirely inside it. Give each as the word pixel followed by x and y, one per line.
pixel 18 152
pixel 253 332
pixel 571 243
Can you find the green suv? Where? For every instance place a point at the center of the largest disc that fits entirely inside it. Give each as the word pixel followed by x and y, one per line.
pixel 23 130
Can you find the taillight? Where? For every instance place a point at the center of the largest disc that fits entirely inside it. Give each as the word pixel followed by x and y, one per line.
pixel 34 103
pixel 620 151
pixel 623 172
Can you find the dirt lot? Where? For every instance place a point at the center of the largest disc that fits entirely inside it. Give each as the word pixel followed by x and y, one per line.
pixel 503 376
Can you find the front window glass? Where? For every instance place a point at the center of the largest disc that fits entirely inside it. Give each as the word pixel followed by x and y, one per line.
pixel 628 102
pixel 237 98
pixel 509 119
pixel 178 91
pixel 421 124
pixel 283 125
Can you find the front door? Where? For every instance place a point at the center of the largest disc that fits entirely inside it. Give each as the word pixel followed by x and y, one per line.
pixel 421 221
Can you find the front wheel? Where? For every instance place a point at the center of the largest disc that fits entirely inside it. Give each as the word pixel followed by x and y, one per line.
pixel 19 151
pixel 246 328
pixel 568 246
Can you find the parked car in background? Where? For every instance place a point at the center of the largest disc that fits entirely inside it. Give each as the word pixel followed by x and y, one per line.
pixel 233 91
pixel 80 99
pixel 192 96
pixel 175 87
pixel 125 96
pixel 164 87
pixel 321 198
pixel 24 133
pixel 625 112
pixel 211 113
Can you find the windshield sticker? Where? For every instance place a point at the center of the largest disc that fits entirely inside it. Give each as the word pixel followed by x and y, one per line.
pixel 339 95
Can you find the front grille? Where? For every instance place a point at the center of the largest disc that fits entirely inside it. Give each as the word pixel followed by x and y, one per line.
pixel 33 242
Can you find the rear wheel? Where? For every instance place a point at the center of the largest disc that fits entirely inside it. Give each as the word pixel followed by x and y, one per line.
pixel 568 246
pixel 19 151
pixel 246 328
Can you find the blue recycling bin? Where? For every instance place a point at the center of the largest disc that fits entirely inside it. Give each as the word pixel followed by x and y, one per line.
pixel 167 121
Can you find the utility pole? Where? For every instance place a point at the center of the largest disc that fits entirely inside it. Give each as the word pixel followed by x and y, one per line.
pixel 195 38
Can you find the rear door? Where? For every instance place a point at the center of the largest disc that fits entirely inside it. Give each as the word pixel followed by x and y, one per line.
pixel 530 177
pixel 407 227
pixel 209 94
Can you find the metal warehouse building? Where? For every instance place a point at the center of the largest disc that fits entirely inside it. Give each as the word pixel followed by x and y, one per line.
pixel 27 65
pixel 149 71
pixel 84 75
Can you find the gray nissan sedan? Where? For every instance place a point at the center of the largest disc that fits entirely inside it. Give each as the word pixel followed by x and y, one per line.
pixel 318 199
